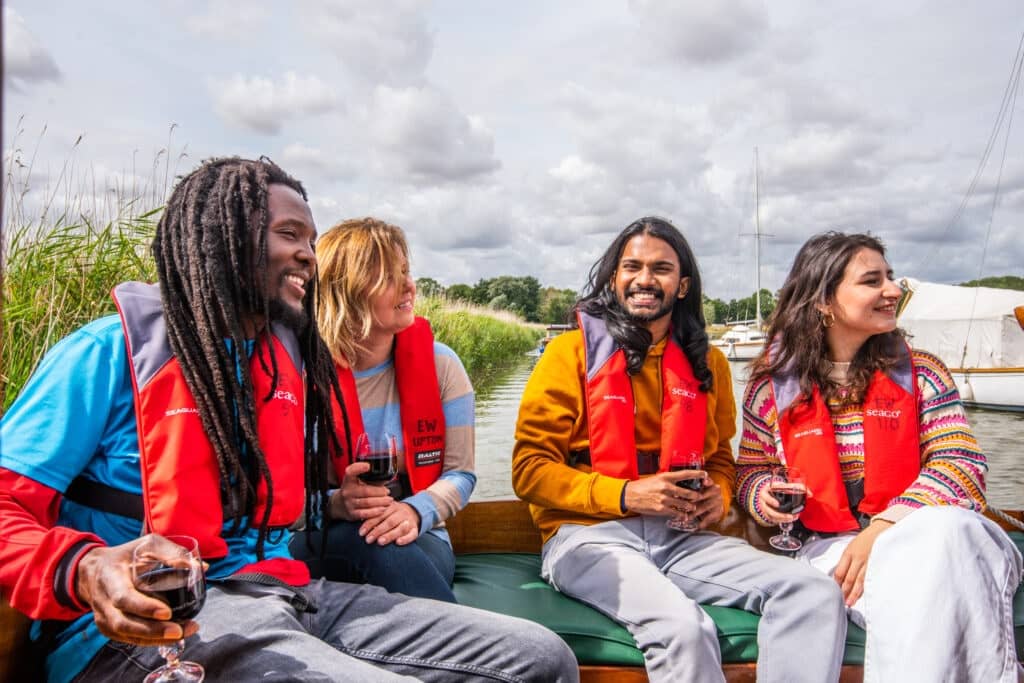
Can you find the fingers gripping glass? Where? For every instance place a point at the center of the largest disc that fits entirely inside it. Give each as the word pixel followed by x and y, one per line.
pixel 693 463
pixel 790 492
pixel 381 453
pixel 172 573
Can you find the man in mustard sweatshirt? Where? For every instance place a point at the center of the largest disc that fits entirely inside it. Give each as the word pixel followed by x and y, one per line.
pixel 610 408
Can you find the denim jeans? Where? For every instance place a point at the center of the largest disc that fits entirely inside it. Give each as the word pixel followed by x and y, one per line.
pixel 359 633
pixel 422 569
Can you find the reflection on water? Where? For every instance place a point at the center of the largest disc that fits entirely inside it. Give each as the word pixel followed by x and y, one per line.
pixel 1000 435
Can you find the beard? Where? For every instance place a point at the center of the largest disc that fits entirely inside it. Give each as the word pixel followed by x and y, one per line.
pixel 667 303
pixel 295 318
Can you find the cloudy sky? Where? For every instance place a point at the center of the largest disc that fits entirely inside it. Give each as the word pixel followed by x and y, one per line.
pixel 519 137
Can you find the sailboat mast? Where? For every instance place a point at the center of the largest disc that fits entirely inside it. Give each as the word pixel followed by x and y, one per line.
pixel 757 240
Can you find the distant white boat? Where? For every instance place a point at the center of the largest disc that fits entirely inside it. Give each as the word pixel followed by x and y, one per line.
pixel 978 332
pixel 741 342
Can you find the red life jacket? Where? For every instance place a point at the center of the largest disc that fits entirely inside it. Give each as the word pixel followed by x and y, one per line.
pixel 611 408
pixel 892 449
pixel 181 487
pixel 419 402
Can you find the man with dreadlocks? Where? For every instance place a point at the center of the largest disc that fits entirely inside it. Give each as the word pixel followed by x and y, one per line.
pixel 603 416
pixel 204 409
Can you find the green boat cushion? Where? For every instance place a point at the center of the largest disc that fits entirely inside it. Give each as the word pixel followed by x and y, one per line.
pixel 510 583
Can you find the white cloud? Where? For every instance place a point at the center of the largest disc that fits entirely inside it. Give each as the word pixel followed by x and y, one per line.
pixel 228 19
pixel 422 136
pixel 375 42
pixel 702 32
pixel 304 161
pixel 25 58
pixel 263 106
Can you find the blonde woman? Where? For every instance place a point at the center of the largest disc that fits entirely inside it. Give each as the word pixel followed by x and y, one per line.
pixel 397 381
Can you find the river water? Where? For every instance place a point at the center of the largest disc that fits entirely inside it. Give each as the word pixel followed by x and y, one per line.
pixel 1000 435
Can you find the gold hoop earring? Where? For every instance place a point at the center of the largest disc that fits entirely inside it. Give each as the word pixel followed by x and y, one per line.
pixel 828 319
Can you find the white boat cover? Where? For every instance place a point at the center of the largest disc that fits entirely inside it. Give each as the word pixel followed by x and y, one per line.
pixel 967 327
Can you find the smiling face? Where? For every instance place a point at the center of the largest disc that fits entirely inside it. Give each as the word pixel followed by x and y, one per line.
pixel 647 282
pixel 391 306
pixel 864 304
pixel 291 235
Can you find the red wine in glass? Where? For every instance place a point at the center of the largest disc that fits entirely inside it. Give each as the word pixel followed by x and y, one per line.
pixel 175 586
pixel 171 570
pixel 694 463
pixel 789 491
pixel 791 497
pixel 382 468
pixel 381 454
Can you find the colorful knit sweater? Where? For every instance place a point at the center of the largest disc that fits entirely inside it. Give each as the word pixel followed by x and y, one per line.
pixel 553 421
pixel 953 467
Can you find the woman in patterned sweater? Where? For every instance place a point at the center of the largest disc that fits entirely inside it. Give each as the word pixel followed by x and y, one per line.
pixel 895 478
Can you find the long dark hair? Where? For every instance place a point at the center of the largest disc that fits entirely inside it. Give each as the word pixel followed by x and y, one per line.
pixel 211 255
pixel 797 330
pixel 687 325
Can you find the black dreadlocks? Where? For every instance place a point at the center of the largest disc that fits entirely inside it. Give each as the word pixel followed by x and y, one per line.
pixel 211 254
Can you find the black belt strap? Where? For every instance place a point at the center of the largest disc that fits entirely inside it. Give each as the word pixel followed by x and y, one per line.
pixel 646 461
pixel 298 599
pixel 105 498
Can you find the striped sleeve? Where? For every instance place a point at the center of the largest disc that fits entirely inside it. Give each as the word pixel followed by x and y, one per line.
pixel 758 451
pixel 953 467
pixel 451 492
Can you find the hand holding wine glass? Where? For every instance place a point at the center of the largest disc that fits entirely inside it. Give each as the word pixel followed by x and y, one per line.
pixel 173 573
pixel 693 464
pixel 381 453
pixel 788 489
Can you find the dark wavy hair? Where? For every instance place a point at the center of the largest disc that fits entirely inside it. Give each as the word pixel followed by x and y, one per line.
pixel 797 330
pixel 687 325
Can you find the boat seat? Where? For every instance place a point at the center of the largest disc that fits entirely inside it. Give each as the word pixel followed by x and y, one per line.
pixel 508 582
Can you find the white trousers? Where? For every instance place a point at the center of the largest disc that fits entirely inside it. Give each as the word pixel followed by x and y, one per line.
pixel 938 598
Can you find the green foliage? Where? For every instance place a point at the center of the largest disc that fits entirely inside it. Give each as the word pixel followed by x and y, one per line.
pixel 428 286
pixel 555 305
pixel 738 309
pixel 58 278
pixel 999 282
pixel 521 295
pixel 487 344
pixel 460 293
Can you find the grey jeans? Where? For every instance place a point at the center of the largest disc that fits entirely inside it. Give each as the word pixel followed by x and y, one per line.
pixel 650 579
pixel 250 632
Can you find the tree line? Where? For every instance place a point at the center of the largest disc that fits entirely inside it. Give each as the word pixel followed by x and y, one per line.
pixel 526 297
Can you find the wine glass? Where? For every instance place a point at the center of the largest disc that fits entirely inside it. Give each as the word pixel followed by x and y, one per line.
pixel 789 490
pixel 692 462
pixel 382 455
pixel 172 573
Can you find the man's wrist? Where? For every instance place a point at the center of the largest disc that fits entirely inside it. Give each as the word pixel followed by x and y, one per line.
pixel 622 498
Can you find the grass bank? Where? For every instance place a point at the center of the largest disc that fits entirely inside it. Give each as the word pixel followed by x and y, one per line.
pixel 487 341
pixel 59 277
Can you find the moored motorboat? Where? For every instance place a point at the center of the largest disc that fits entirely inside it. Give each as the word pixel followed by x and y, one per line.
pixel 978 332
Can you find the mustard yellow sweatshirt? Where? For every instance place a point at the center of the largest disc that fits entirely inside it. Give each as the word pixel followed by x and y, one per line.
pixel 553 421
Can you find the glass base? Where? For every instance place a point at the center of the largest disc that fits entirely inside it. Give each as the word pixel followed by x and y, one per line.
pixel 785 543
pixel 677 524
pixel 185 672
